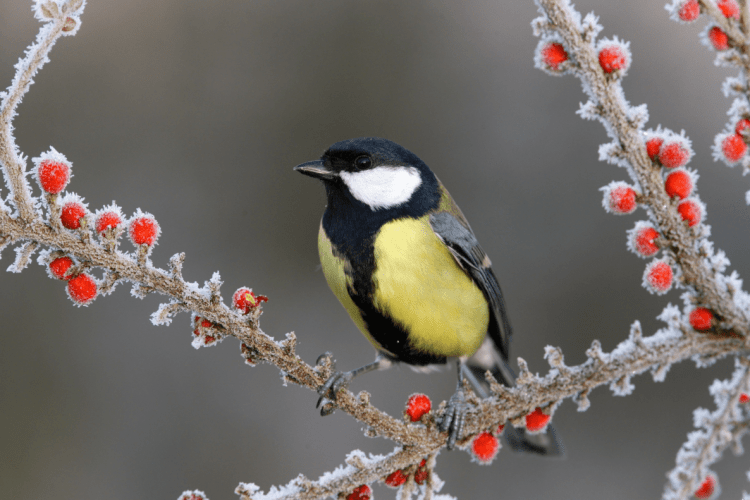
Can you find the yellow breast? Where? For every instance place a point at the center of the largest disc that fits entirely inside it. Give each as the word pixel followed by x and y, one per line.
pixel 419 284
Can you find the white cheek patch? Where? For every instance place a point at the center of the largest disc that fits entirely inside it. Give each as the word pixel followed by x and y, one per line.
pixel 383 187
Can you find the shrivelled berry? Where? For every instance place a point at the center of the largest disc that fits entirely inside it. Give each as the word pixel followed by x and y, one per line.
pixel 701 318
pixel 360 493
pixel 485 447
pixel 418 405
pixel 244 300
pixel 690 211
pixel 553 55
pixel 395 479
pixel 82 289
pixel 678 183
pixel 143 230
pixel 658 277
pixel 537 420
pixel 59 267
pixel 718 38
pixel 71 214
pixel 689 11
pixel 421 475
pixel 709 488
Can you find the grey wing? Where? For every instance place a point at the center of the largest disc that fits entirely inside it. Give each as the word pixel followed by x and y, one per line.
pixel 465 248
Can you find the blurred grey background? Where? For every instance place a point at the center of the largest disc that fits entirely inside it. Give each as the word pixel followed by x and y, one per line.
pixel 197 112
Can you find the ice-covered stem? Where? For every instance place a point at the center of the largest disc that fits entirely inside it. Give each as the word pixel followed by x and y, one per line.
pixel 633 356
pixel 13 164
pixel 624 125
pixel 359 469
pixel 718 430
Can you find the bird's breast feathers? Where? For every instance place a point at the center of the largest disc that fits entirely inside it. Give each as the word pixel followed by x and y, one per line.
pixel 418 283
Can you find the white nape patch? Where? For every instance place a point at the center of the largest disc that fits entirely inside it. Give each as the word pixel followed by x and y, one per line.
pixel 383 187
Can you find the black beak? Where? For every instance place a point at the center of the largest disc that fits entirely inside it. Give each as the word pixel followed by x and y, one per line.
pixel 316 169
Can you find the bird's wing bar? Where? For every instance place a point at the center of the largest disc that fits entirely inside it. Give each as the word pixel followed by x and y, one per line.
pixel 465 248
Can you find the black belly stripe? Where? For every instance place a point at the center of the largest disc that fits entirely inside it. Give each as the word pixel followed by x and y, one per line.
pixel 391 335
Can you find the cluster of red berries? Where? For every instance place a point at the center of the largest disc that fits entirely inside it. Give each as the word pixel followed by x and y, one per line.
pixel 709 488
pixel 690 10
pixel 53 172
pixel 205 332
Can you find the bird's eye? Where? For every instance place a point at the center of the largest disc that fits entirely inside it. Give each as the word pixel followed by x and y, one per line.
pixel 362 162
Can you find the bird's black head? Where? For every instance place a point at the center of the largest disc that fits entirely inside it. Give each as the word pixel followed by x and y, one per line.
pixel 373 172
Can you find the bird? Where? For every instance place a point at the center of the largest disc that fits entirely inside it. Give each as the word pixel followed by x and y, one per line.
pixel 402 259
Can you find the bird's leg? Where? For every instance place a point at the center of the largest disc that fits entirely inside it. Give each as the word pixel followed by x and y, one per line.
pixel 455 411
pixel 340 381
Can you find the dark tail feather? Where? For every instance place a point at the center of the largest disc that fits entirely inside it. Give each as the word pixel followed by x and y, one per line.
pixel 488 358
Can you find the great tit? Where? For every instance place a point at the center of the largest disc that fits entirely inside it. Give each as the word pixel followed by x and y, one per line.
pixel 402 259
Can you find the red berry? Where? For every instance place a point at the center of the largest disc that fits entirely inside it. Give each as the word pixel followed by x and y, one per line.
pixel 733 147
pixel 689 11
pixel 417 405
pixel 53 175
pixel 244 300
pixel 395 479
pixel 422 473
pixel 106 220
pixel 700 318
pixel 643 241
pixel 620 198
pixel 500 428
pixel 674 154
pixel 653 146
pixel 729 8
pixel 612 58
pixel 485 447
pixel 707 488
pixel 658 277
pixel 690 211
pixel 59 267
pixel 718 38
pixel 360 493
pixel 744 398
pixel 741 126
pixel 82 289
pixel 208 339
pixel 678 184
pixel 553 55
pixel 536 420
pixel 144 230
pixel 71 215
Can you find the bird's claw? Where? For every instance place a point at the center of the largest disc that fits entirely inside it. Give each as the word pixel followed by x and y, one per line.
pixel 453 418
pixel 328 391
